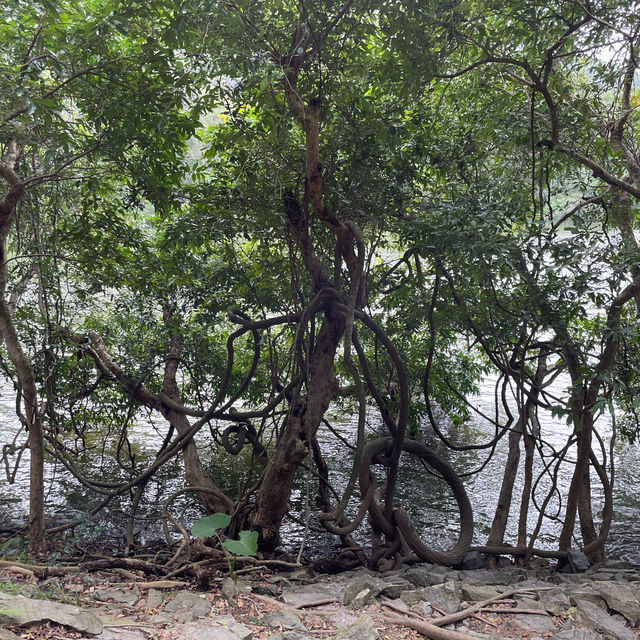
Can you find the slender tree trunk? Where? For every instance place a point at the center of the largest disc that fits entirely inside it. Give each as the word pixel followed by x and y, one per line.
pixel 301 425
pixel 584 427
pixel 30 415
pixel 214 500
pixel 529 448
pixel 501 517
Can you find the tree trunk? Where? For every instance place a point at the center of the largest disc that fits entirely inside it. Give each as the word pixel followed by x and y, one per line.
pixel 215 501
pixel 30 415
pixel 300 426
pixel 499 524
pixel 584 428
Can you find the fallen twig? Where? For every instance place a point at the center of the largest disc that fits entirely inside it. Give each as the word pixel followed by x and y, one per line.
pixel 429 630
pixel 315 603
pixel 465 613
pixel 540 612
pixel 288 607
pixel 161 584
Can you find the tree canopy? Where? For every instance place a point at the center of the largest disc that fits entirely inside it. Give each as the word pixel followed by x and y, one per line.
pixel 240 217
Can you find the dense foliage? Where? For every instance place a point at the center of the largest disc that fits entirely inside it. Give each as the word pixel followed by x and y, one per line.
pixel 237 217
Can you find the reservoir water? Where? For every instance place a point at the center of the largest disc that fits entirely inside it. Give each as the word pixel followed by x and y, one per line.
pixel 425 497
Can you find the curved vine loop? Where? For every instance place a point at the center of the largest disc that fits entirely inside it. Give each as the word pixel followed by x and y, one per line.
pixel 378 451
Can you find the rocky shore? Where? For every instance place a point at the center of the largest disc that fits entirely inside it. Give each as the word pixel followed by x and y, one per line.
pixel 422 600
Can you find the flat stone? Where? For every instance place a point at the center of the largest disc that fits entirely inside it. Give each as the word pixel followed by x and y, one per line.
pixel 310 593
pixel 5 634
pixel 578 634
pixel 586 595
pixel 160 619
pixel 567 578
pixel 119 596
pixel 487 577
pixel 189 605
pixel 284 619
pixel 478 592
pixel 231 588
pixel 394 586
pixel 362 629
pixel 362 590
pixel 154 598
pixel 411 596
pixel 445 596
pixel 621 597
pixel 534 623
pixel 425 575
pixel 342 618
pixel 554 601
pixel 289 635
pixel 423 608
pixel 529 603
pixel 121 633
pixel 599 620
pixel 220 628
pixel 23 612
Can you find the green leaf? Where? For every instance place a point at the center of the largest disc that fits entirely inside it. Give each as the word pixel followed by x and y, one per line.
pixel 207 526
pixel 246 546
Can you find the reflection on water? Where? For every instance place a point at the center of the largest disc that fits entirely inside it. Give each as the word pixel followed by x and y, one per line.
pixel 426 497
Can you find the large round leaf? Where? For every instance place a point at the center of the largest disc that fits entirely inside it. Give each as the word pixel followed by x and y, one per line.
pixel 246 546
pixel 207 526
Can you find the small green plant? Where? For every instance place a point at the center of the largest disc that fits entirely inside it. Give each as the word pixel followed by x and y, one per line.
pixel 246 545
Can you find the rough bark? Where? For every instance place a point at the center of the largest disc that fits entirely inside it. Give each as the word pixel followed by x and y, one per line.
pixel 499 524
pixel 31 415
pixel 214 499
pixel 300 427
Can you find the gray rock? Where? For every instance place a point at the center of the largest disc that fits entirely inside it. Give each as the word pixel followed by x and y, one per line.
pixel 412 596
pixel 485 576
pixel 578 561
pixel 599 620
pixel 5 634
pixel 622 598
pixel 362 629
pixel 284 619
pixel 231 588
pixel 289 635
pixel 121 634
pixel 22 612
pixel 154 598
pixel 445 596
pixel 554 601
pixel 119 596
pixel 394 586
pixel 425 575
pixel 342 618
pixel 310 593
pixel 362 590
pixel 585 594
pixel 189 605
pixel 604 575
pixel 534 623
pixel 567 578
pixel 160 619
pixel 578 634
pixel 423 608
pixel 476 593
pixel 527 602
pixel 220 628
pixel 473 560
